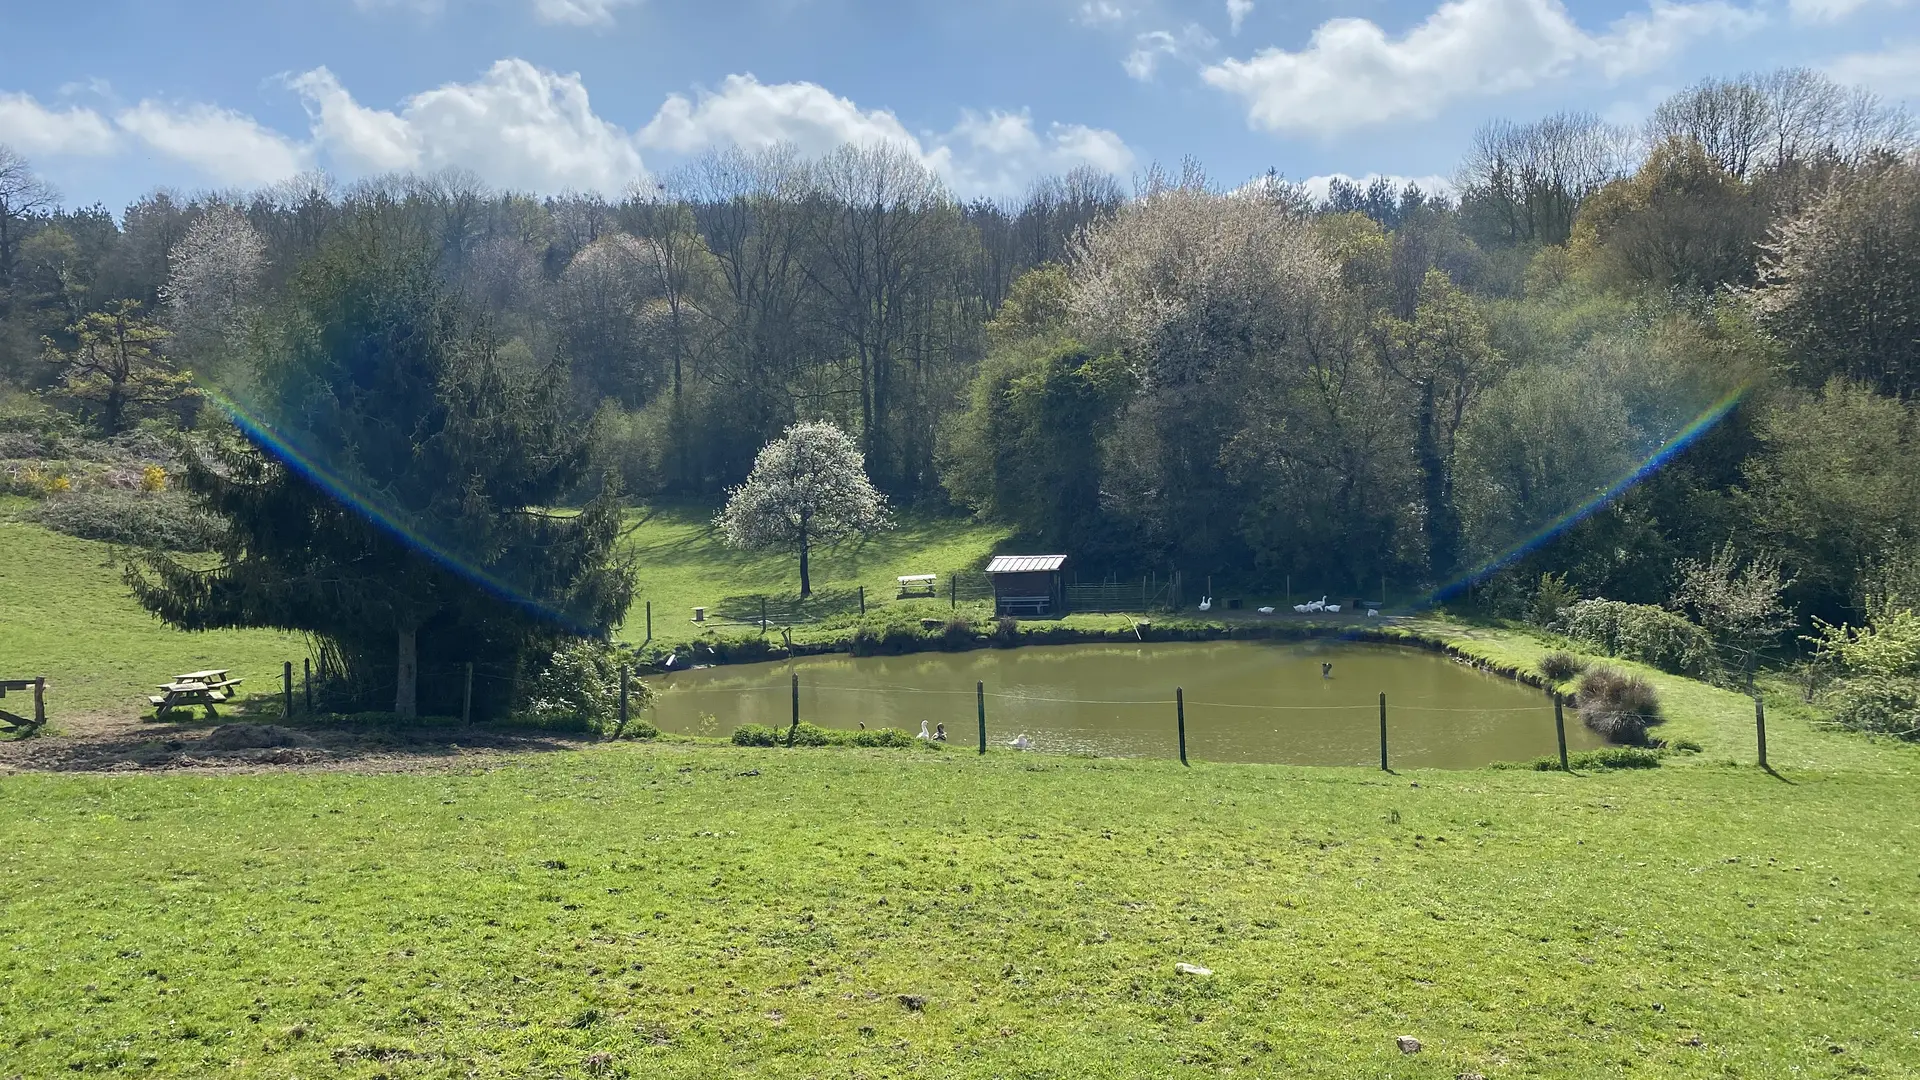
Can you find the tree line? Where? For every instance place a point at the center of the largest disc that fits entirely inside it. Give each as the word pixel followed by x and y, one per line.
pixel 1379 388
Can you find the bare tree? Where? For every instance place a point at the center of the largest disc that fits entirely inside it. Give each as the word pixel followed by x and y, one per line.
pixel 1530 179
pixel 22 194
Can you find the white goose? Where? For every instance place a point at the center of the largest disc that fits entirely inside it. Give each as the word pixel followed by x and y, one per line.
pixel 1206 603
pixel 924 733
pixel 1021 742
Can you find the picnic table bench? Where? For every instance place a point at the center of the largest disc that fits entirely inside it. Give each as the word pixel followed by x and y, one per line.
pixel 919 585
pixel 14 722
pixel 203 689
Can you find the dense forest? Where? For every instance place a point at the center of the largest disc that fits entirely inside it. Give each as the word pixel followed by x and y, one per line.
pixel 1672 365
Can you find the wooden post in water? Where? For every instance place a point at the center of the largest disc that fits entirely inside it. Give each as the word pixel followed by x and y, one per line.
pixel 622 725
pixel 286 689
pixel 1560 729
pixel 1383 732
pixel 1760 727
pixel 466 697
pixel 1180 714
pixel 306 681
pixel 980 702
pixel 794 731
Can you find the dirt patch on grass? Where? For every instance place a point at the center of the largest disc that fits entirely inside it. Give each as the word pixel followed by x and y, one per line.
pixel 114 745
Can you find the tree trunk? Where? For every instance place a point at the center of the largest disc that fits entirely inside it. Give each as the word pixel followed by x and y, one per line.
pixel 806 583
pixel 407 674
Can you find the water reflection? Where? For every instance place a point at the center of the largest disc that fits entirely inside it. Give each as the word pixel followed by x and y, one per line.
pixel 1245 701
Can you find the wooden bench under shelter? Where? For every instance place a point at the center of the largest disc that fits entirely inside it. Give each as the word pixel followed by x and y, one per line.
pixel 195 689
pixel 919 586
pixel 1027 584
pixel 14 722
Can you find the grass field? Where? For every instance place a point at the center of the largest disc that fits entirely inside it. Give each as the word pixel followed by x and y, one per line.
pixel 65 614
pixel 691 909
pixel 683 565
pixel 696 911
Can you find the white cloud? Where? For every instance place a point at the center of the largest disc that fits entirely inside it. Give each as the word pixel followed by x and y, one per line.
pixel 1894 71
pixel 517 126
pixel 1828 11
pixel 994 153
pixel 1237 12
pixel 577 12
pixel 229 147
pixel 522 127
pixel 1095 12
pixel 553 12
pixel 1149 48
pixel 1352 74
pixel 33 129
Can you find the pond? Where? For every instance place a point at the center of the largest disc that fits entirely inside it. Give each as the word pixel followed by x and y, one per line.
pixel 1245 701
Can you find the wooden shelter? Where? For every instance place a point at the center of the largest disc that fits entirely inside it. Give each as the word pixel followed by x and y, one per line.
pixel 1027 584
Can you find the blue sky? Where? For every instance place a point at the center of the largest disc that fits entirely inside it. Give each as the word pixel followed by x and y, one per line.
pixel 110 98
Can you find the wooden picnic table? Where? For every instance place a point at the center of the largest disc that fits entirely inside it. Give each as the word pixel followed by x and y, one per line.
pixel 203 689
pixel 918 585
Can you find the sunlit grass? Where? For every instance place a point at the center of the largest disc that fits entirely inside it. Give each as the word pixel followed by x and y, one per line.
pixel 700 910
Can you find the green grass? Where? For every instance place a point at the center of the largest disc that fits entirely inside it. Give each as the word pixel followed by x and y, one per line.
pixel 683 565
pixel 65 614
pixel 702 910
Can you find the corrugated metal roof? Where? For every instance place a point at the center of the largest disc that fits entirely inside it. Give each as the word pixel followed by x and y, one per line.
pixel 1025 564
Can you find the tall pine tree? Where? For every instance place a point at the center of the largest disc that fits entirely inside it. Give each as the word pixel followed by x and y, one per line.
pixel 389 491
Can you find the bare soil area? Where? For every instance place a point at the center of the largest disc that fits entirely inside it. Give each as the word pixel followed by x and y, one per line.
pixel 116 744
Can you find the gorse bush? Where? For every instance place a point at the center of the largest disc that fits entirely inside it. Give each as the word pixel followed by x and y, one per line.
pixel 169 521
pixel 1618 706
pixel 1561 666
pixel 1006 632
pixel 1641 632
pixel 957 634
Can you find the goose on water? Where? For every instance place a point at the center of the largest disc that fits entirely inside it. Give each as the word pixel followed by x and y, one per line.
pixel 924 733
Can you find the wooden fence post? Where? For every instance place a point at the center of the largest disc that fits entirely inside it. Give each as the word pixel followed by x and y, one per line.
pixel 1760 727
pixel 980 702
pixel 794 730
pixel 39 701
pixel 649 622
pixel 1383 732
pixel 953 590
pixel 306 681
pixel 1560 729
pixel 863 599
pixel 763 615
pixel 286 689
pixel 466 697
pixel 1180 715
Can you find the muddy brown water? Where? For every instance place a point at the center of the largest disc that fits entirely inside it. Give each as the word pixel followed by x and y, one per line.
pixel 1245 701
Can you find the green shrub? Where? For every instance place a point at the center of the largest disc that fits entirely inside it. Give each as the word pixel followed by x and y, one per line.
pixel 813 735
pixel 1878 688
pixel 580 684
pixel 1561 666
pixel 957 634
pixel 1006 632
pixel 865 641
pixel 1618 706
pixel 1650 635
pixel 1612 757
pixel 1551 600
pixel 900 639
pixel 164 519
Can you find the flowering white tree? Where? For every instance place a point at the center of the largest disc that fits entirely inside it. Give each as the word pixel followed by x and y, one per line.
pixel 808 487
pixel 213 281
